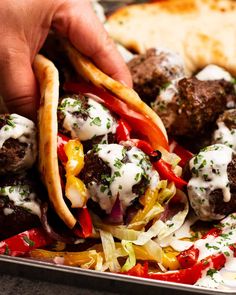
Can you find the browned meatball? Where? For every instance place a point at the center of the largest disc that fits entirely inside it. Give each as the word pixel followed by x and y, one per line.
pixel 226 131
pixel 212 186
pixel 18 146
pixel 19 205
pixel 153 70
pixel 189 106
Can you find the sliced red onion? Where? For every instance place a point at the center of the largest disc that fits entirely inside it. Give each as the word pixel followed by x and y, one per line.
pixel 116 215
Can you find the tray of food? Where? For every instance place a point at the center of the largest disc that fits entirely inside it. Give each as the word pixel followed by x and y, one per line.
pixel 137 186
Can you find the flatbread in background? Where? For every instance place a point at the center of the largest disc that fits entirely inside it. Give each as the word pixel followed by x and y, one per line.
pixel 202 31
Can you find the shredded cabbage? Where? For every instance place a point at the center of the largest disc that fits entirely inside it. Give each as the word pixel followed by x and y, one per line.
pixel 131 260
pixel 109 249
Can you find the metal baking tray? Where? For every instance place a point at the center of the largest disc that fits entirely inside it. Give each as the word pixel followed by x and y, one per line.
pixel 117 283
pixel 83 278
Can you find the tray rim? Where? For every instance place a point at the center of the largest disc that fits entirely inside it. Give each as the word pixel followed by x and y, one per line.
pixel 38 265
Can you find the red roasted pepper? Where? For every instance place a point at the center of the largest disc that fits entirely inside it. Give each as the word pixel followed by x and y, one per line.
pixel 61 141
pixel 162 167
pixel 166 172
pixel 137 121
pixel 189 257
pixel 184 154
pixel 184 276
pixel 85 226
pixel 123 131
pixel 24 242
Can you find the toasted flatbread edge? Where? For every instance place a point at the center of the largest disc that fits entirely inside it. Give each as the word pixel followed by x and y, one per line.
pixel 48 79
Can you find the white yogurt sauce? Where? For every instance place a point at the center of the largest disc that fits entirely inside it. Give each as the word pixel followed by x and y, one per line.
pixel 99 120
pixel 175 239
pixel 226 277
pixel 172 60
pixel 21 196
pixel 24 130
pixel 123 175
pixel 213 72
pixel 225 136
pixel 209 172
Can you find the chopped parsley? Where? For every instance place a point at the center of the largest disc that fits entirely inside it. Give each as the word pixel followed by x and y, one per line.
pixel 211 272
pixel 118 164
pixel 96 121
pixel 28 241
pixel 11 123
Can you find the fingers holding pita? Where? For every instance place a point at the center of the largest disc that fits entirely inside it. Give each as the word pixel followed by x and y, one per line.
pixel 77 21
pixel 17 84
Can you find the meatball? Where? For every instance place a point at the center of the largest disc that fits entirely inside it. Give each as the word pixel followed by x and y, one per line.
pixel 153 70
pixel 189 106
pixel 214 72
pixel 18 145
pixel 112 170
pixel 226 132
pixel 19 205
pixel 82 117
pixel 212 187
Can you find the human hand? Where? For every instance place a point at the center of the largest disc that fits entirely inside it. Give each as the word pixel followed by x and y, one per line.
pixel 24 26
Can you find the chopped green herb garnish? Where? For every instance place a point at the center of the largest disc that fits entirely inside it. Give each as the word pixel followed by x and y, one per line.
pixel 28 241
pixel 96 121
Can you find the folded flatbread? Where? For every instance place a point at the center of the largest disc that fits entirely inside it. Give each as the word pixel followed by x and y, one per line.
pixel 48 79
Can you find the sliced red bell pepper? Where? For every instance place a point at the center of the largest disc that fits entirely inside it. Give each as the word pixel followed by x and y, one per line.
pixel 184 276
pixel 84 227
pixel 61 141
pixel 162 167
pixel 180 151
pixel 166 172
pixel 189 257
pixel 24 242
pixel 122 131
pixel 139 123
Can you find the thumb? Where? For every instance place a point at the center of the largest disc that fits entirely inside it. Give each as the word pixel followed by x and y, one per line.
pixel 77 21
pixel 17 84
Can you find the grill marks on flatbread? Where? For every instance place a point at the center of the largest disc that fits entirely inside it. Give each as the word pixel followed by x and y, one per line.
pixel 202 31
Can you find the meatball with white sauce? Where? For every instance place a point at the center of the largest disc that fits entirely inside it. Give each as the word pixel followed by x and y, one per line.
pixel 113 170
pixel 212 187
pixel 82 117
pixel 18 143
pixel 226 131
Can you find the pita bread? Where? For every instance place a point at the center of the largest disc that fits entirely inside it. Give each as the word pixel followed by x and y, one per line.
pixel 202 31
pixel 48 79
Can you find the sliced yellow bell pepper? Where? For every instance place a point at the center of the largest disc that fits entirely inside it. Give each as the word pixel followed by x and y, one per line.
pixel 76 191
pixel 75 154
